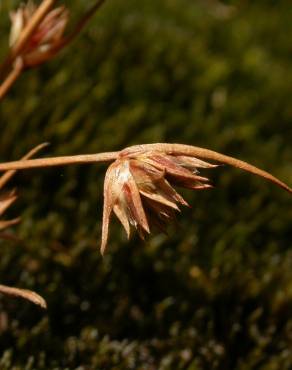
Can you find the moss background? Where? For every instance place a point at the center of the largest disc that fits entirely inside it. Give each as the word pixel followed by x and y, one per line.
pixel 216 293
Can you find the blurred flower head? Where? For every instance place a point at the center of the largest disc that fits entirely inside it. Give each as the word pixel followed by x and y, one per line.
pixel 46 40
pixel 139 190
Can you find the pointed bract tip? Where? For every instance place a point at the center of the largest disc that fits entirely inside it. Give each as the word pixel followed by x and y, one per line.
pixel 139 189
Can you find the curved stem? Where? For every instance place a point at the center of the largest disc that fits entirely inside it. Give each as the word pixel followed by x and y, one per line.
pixel 59 161
pixel 81 24
pixel 10 80
pixel 7 176
pixel 181 149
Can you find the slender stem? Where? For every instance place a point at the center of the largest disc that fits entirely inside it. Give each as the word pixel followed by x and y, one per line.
pixel 59 161
pixel 81 24
pixel 7 176
pixel 10 79
pixel 180 149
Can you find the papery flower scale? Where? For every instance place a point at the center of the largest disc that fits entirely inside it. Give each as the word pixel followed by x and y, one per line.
pixel 138 188
pixel 46 39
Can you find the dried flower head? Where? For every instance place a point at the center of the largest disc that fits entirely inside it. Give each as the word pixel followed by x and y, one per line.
pixel 46 39
pixel 139 185
pixel 138 188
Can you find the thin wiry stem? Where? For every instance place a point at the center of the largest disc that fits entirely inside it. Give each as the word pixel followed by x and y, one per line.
pixel 10 79
pixel 180 149
pixel 7 176
pixel 59 161
pixel 81 24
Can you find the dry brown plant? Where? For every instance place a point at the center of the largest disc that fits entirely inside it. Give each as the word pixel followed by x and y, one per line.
pixel 6 200
pixel 138 186
pixel 37 35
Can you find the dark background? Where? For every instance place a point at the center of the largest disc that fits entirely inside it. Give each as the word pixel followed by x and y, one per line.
pixel 216 293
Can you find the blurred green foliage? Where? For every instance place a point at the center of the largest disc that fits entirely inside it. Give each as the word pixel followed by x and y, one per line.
pixel 216 293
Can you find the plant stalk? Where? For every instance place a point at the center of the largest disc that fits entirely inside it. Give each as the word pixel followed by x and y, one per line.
pixel 59 161
pixel 7 176
pixel 81 24
pixel 194 151
pixel 10 79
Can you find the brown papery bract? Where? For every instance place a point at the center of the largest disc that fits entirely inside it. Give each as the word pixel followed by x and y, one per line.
pixel 37 35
